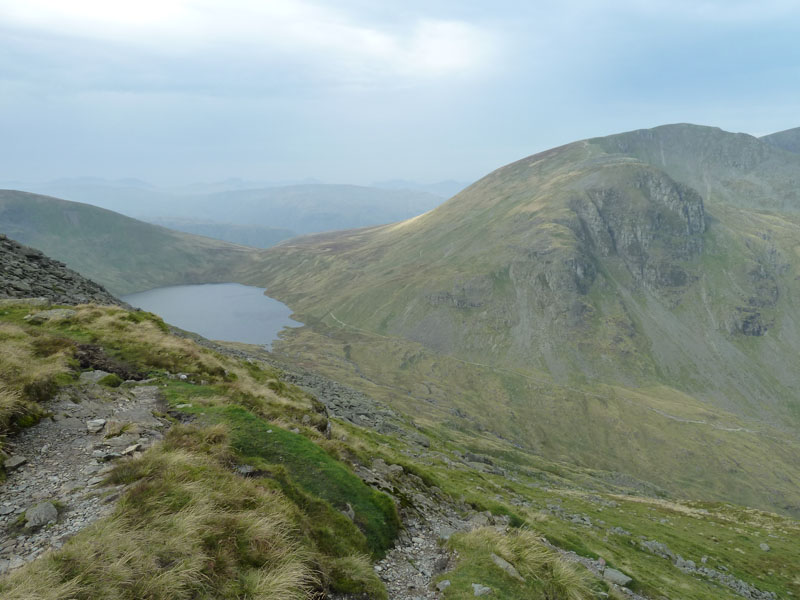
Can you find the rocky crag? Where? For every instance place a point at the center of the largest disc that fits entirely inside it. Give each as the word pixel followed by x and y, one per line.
pixel 26 272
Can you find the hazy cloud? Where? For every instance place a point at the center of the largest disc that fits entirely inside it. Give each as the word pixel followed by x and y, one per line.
pixel 358 91
pixel 328 44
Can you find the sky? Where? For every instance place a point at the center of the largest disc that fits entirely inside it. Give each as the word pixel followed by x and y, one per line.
pixel 356 91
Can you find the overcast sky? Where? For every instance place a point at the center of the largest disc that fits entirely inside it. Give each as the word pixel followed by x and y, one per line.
pixel 175 91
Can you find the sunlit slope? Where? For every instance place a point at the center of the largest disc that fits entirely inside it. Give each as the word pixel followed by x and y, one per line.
pixel 584 265
pixel 123 254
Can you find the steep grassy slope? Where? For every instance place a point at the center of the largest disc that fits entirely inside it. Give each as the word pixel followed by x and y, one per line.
pixel 123 254
pixel 189 526
pixel 646 262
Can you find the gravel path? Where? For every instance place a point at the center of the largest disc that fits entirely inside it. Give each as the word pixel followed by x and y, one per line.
pixel 52 493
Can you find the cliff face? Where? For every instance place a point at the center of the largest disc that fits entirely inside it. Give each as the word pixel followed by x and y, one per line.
pixel 26 272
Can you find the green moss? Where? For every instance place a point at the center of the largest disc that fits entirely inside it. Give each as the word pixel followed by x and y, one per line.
pixel 315 471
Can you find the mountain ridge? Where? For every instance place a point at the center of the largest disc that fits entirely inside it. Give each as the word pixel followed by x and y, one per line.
pixel 579 267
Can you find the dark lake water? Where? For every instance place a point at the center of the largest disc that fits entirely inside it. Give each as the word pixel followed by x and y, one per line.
pixel 218 311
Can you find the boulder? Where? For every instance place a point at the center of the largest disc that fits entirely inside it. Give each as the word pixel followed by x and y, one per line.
pixel 41 514
pixel 481 590
pixel 95 425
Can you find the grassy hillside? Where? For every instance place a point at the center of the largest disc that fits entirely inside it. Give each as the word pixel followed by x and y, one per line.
pixel 596 288
pixel 188 525
pixel 123 254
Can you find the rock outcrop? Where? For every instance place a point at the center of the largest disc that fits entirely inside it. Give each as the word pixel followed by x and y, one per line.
pixel 27 273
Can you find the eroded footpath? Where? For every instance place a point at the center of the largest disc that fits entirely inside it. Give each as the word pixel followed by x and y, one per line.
pixel 57 467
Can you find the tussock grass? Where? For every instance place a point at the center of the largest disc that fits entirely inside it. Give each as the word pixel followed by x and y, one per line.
pixel 186 528
pixel 547 575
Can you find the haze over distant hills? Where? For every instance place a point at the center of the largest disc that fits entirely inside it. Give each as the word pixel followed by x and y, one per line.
pixel 646 280
pixel 123 254
pixel 253 213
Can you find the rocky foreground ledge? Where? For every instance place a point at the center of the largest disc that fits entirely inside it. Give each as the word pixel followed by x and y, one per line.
pixel 26 272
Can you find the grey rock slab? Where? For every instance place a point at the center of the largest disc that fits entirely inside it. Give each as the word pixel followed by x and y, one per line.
pixel 443 585
pixel 95 425
pixel 615 576
pixel 481 590
pixel 507 567
pixel 41 514
pixel 15 462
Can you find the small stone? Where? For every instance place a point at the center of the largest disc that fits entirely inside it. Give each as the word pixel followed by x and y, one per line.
pixel 131 449
pixel 764 547
pixel 184 405
pixel 15 462
pixel 481 590
pixel 6 510
pixel 443 585
pixel 41 514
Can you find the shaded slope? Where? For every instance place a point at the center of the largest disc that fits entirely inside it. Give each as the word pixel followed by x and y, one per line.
pixel 788 140
pixel 121 253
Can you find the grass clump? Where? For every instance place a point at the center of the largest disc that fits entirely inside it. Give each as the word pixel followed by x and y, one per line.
pixel 546 575
pixel 186 528
pixel 111 380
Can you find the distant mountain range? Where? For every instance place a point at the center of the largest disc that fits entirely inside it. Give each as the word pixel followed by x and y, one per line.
pixel 270 212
